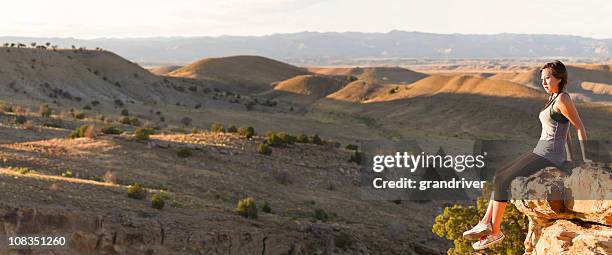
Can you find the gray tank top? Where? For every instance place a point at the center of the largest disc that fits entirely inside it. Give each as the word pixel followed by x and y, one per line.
pixel 554 133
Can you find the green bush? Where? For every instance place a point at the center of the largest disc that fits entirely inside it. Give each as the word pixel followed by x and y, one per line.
pixel 157 201
pixel 320 214
pixel 273 140
pixel 45 111
pixel 343 240
pixel 248 132
pixel 67 174
pixel 264 149
pixel 184 153
pixel 302 138
pixel 135 122
pixel 136 191
pixel 315 139
pixel 142 134
pixel 125 120
pixel 125 112
pixel 79 132
pixel 232 129
pixel 352 147
pixel 356 157
pixel 20 119
pixel 458 218
pixel 247 208
pixel 22 170
pixel 217 127
pixel 287 138
pixel 266 207
pixel 111 131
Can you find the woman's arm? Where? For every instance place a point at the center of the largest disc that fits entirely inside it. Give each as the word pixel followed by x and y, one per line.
pixel 568 109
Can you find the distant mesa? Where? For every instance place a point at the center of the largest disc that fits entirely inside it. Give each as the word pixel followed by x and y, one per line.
pixel 382 75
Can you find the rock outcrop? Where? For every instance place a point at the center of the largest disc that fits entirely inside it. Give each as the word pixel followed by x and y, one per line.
pixel 569 213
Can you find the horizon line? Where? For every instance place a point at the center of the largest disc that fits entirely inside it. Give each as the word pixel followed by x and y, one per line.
pixel 290 33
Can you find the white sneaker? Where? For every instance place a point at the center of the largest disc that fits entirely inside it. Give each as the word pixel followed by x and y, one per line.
pixel 487 241
pixel 478 231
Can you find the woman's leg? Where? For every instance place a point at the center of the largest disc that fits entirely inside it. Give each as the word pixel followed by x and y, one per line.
pixel 487 216
pixel 498 214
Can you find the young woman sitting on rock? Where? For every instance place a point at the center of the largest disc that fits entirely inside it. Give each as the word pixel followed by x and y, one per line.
pixel 556 116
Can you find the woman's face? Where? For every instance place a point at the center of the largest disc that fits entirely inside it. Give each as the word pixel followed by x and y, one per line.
pixel 550 82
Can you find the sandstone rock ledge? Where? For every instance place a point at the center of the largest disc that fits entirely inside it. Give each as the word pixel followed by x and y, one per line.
pixel 569 213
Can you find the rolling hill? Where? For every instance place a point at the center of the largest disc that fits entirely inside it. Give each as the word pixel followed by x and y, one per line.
pixel 251 73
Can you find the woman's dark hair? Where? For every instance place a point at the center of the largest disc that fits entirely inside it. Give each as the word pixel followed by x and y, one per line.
pixel 558 71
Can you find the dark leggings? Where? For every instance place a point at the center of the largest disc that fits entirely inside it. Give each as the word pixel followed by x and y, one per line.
pixel 524 165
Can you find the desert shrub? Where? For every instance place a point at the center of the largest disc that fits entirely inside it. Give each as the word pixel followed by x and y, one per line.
pixel 248 132
pixel 130 121
pixel 20 119
pixel 8 108
pixel 315 139
pixel 142 134
pixel 79 132
pixel 79 115
pixel 110 130
pixel 302 138
pixel 320 214
pixel 343 240
pixel 247 208
pixel 352 147
pixel 135 122
pixel 119 103
pixel 217 127
pixel 95 102
pixel 51 124
pixel 264 149
pixel 68 174
pixel 266 207
pixel 458 218
pixel 184 153
pixel 125 112
pixel 125 120
pixel 273 140
pixel 86 107
pixel 232 129
pixel 186 121
pixel 249 105
pixel 157 201
pixel 45 111
pixel 136 191
pixel 287 138
pixel 356 157
pixel 22 170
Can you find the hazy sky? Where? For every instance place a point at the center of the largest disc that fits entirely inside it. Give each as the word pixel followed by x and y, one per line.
pixel 145 18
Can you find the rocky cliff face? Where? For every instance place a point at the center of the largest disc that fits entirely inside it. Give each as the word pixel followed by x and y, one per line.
pixel 576 215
